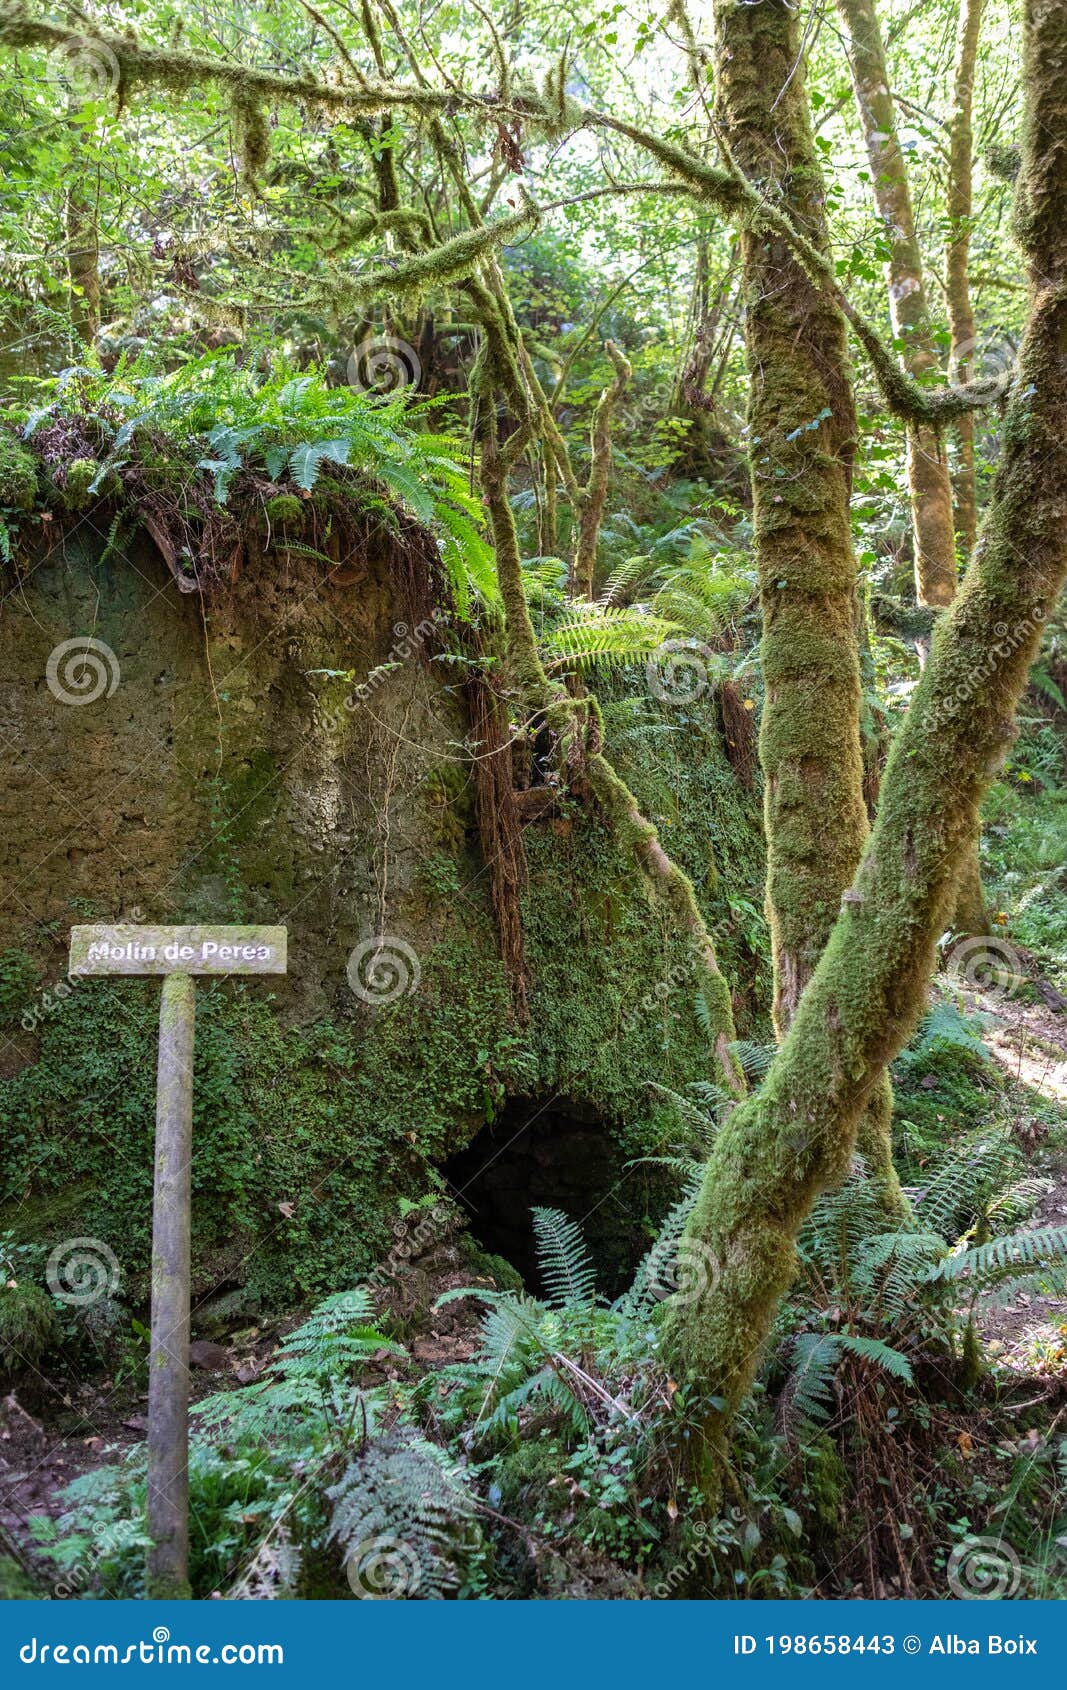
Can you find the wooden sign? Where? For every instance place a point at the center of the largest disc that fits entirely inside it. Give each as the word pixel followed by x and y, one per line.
pixel 177 950
pixel 178 953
